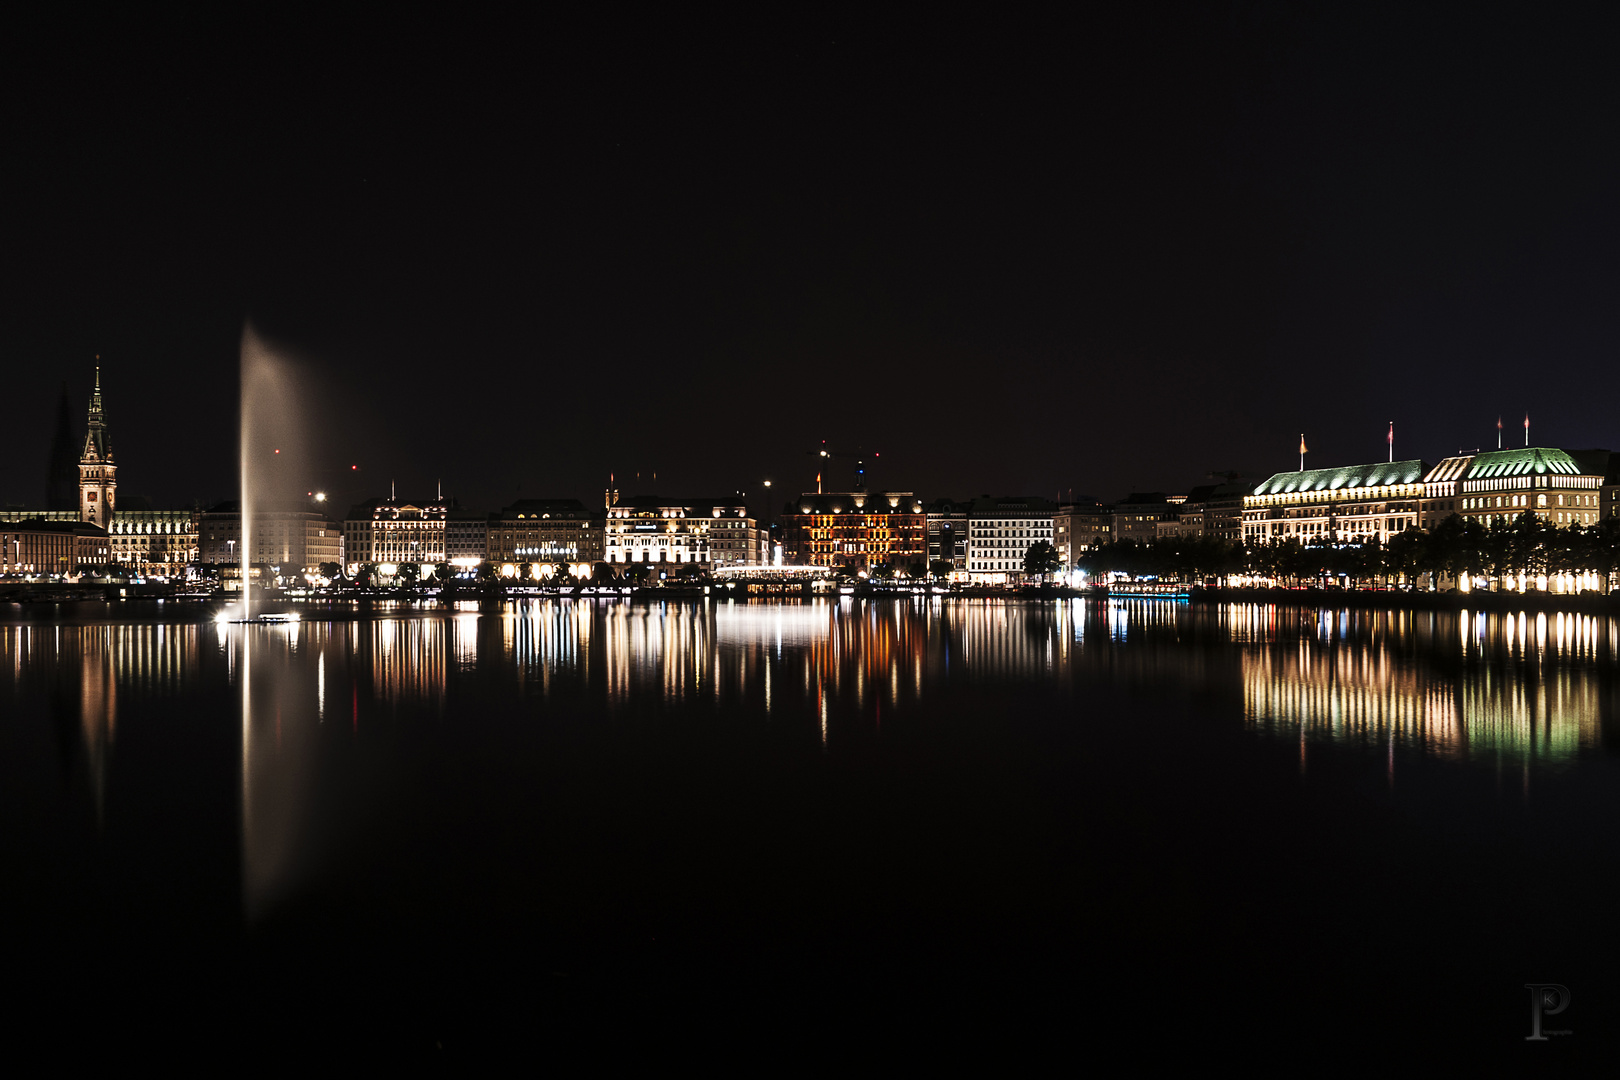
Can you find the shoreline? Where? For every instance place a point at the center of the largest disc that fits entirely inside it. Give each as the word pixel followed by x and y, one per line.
pixel 351 606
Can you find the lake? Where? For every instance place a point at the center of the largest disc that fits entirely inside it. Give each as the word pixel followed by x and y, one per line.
pixel 928 825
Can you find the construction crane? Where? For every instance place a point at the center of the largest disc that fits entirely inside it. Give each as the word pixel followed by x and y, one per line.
pixel 859 457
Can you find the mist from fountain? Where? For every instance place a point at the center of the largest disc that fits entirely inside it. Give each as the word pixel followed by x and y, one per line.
pixel 272 441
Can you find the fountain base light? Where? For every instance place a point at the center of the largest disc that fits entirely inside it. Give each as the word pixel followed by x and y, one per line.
pixel 276 618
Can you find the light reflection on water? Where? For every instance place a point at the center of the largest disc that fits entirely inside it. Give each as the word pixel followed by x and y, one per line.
pixel 1531 688
pixel 1469 687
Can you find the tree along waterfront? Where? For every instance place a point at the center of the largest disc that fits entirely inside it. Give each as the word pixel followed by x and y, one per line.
pixel 1524 551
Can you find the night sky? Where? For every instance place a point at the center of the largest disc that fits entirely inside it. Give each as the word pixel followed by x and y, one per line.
pixel 1013 257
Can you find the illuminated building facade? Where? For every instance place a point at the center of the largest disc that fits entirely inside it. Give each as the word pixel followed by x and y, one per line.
pixel 861 529
pixel 155 543
pixel 294 540
pixel 657 529
pixel 1440 487
pixel 98 475
pixel 1562 487
pixel 545 531
pixel 391 531
pixel 31 548
pixel 1000 531
pixel 1351 505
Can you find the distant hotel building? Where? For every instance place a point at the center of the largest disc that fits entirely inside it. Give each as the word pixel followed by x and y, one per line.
pixel 390 531
pixel 1000 531
pixel 862 529
pixel 1352 504
pixel 1563 487
pixel 657 529
pixel 532 531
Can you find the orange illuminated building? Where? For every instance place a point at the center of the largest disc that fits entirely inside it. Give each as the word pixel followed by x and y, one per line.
pixel 862 529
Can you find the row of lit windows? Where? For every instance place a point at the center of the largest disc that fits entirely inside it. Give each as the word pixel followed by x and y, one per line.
pixel 1507 482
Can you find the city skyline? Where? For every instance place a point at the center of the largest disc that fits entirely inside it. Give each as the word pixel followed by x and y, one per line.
pixel 344 485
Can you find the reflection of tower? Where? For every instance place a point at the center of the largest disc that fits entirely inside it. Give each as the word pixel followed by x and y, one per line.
pixel 97 473
pixel 62 482
pixel 98 708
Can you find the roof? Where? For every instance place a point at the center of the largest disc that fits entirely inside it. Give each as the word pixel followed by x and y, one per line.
pixel 1010 503
pixel 571 509
pixel 1451 468
pixel 1199 494
pixel 845 502
pixel 690 504
pixel 1527 461
pixel 1348 476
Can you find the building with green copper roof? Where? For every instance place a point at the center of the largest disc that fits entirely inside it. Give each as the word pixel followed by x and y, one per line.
pixel 1346 478
pixel 1562 487
pixel 1524 461
pixel 1352 504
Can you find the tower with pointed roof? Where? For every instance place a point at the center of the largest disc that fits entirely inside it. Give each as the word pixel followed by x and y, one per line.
pixel 98 484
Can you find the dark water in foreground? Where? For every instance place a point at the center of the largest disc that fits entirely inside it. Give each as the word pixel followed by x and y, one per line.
pixel 915 828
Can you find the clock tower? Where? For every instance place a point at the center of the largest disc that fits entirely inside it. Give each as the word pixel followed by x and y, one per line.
pixel 97 473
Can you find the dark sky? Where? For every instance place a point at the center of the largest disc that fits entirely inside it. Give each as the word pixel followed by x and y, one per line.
pixel 1010 256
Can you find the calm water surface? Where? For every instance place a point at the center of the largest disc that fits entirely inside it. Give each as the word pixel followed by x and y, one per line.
pixel 955 820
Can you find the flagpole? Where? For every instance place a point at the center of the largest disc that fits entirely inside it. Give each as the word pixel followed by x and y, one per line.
pixel 1499 433
pixel 1392 442
pixel 1527 430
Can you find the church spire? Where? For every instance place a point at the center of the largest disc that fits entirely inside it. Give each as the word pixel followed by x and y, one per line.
pixel 97 473
pixel 97 442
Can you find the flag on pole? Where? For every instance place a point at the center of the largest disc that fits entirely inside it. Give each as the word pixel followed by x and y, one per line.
pixel 1302 451
pixel 1392 440
pixel 1527 429
pixel 1499 432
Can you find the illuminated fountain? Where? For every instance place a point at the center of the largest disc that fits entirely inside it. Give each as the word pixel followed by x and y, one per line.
pixel 271 438
pixel 282 703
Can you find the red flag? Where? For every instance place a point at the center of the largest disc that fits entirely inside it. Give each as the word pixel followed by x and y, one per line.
pixel 1302 443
